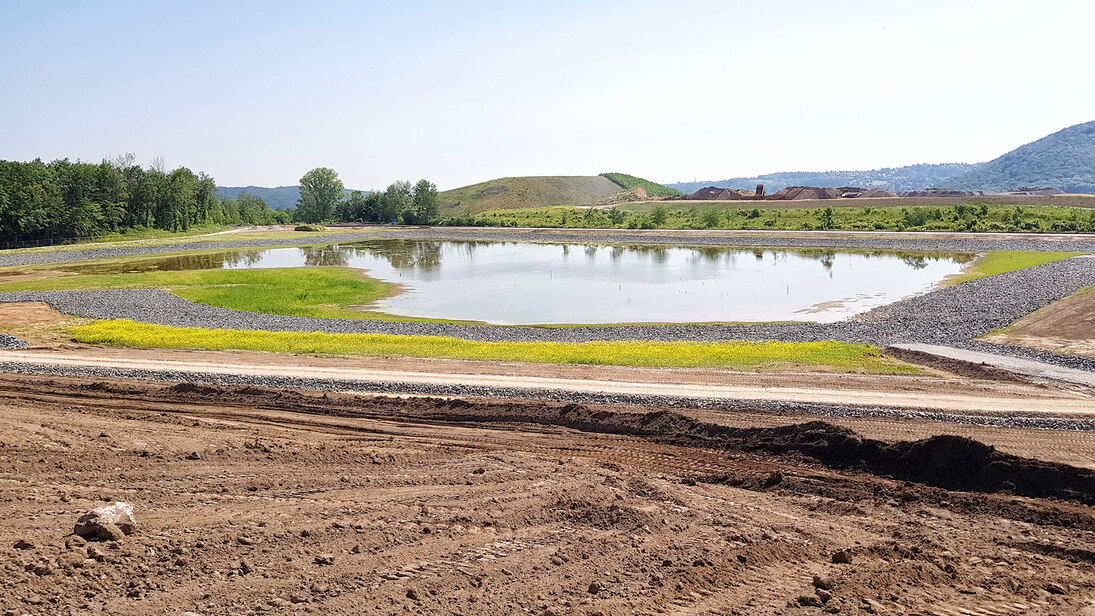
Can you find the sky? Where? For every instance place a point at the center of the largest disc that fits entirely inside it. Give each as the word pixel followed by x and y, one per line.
pixel 459 92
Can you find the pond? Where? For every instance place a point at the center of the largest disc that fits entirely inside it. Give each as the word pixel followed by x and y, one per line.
pixel 533 283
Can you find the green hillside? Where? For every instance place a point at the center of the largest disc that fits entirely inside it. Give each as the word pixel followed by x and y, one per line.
pixel 530 191
pixel 627 182
pixel 1065 160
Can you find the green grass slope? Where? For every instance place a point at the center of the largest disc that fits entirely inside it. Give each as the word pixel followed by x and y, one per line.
pixel 653 189
pixel 530 191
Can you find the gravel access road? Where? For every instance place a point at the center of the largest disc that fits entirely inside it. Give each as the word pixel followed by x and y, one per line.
pixel 1001 411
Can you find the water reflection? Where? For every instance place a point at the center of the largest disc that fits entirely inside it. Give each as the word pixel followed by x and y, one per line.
pixel 514 282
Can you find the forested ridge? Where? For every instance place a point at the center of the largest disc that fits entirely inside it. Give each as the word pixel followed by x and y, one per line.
pixel 64 199
pixel 1064 160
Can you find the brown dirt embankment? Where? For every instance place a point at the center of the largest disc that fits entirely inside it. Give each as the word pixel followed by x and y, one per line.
pixel 949 462
pixel 271 501
pixel 1066 326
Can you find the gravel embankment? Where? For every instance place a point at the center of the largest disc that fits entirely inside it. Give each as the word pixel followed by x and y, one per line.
pixel 951 243
pixel 951 315
pixel 465 391
pixel 11 342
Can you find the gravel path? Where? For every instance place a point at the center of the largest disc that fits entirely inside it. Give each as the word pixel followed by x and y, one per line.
pixel 463 391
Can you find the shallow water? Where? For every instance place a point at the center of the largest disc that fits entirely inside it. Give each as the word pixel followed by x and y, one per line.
pixel 526 283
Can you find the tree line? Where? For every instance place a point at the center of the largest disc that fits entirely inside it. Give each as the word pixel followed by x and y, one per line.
pixel 323 199
pixel 64 199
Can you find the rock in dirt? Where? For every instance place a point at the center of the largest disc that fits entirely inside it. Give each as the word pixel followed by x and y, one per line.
pixel 809 601
pixel 843 557
pixel 109 523
pixel 23 544
pixel 325 559
pixel 96 553
pixel 1055 589
pixel 595 587
pixel 822 583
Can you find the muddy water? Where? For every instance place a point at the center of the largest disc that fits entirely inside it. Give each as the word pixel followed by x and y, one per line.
pixel 525 283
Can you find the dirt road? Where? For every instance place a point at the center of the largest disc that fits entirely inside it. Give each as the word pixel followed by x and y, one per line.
pixel 876 392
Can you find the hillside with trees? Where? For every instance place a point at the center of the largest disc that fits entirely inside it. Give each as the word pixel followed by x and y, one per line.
pixel 1064 160
pixel 322 199
pixel 64 199
pixel 893 179
pixel 653 189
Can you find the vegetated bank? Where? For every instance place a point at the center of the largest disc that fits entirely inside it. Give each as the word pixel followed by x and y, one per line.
pixel 737 355
pixel 1005 261
pixel 965 216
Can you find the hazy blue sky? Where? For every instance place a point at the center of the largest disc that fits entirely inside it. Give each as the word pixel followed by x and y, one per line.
pixel 460 92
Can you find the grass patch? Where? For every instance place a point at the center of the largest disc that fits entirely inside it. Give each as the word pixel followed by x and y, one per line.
pixel 144 233
pixel 627 182
pixel 980 217
pixel 1004 261
pixel 326 292
pixel 764 356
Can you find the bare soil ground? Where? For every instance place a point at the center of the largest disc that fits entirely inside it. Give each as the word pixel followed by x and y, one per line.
pixel 1067 326
pixel 255 501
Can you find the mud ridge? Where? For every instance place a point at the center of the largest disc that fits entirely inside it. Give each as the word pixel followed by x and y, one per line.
pixel 949 462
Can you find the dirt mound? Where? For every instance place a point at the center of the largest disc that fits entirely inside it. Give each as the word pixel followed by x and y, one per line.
pixel 851 192
pixel 712 193
pixel 796 193
pixel 194 388
pixel 941 192
pixel 877 192
pixel 949 462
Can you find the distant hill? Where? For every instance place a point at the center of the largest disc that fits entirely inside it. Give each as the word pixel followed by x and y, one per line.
pixel 893 179
pixel 1065 160
pixel 530 191
pixel 278 198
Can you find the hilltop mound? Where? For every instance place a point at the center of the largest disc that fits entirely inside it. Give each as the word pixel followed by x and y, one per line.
pixel 536 191
pixel 1064 160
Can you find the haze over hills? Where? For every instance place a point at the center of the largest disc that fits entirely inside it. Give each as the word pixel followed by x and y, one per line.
pixel 1064 160
pixel 893 179
pixel 278 198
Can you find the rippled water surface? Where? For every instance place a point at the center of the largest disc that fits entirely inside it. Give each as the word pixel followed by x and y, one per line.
pixel 525 283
